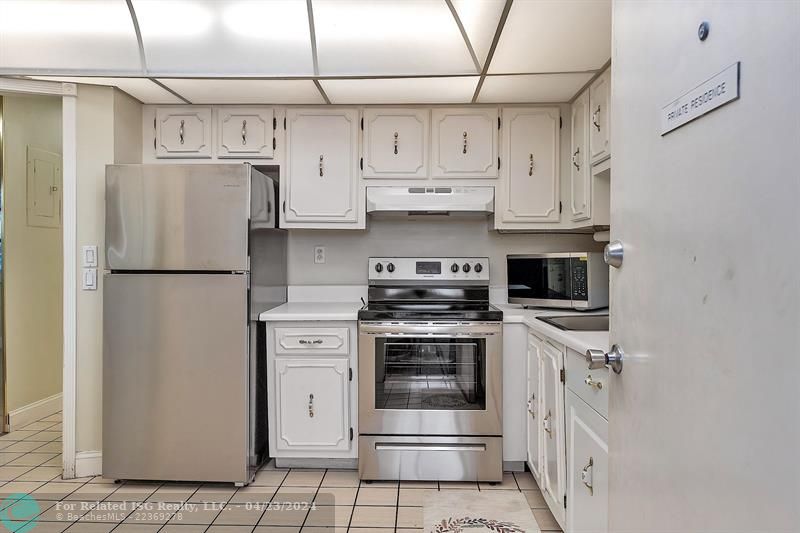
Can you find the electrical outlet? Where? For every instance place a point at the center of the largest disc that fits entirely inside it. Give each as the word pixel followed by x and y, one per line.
pixel 319 254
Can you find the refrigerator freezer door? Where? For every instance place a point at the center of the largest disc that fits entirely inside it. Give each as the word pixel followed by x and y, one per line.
pixel 177 217
pixel 175 377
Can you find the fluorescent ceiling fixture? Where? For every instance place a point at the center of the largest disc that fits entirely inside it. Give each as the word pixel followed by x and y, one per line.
pixel 142 89
pixel 401 90
pixel 554 36
pixel 221 91
pixel 67 36
pixel 375 38
pixel 480 19
pixel 213 38
pixel 532 88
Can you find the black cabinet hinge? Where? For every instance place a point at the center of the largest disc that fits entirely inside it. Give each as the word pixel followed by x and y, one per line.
pixel 154 123
pixel 498 163
pixel 350 373
pixel 274 123
pixel 284 206
pixel 284 122
pixel 362 123
pixel 498 123
pixel 565 501
pixel 361 163
pixel 154 143
pixel 563 375
pixel 274 143
pixel 560 207
pixel 560 122
pixel 351 433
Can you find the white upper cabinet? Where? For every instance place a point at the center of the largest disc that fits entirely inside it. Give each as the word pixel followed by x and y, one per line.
pixel 464 143
pixel 599 103
pixel 322 187
pixel 528 192
pixel 396 143
pixel 580 177
pixel 245 132
pixel 183 132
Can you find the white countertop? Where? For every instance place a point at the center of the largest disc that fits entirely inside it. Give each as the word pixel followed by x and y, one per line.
pixel 300 311
pixel 577 340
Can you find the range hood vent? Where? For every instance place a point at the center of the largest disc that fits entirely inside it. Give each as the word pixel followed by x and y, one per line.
pixel 426 201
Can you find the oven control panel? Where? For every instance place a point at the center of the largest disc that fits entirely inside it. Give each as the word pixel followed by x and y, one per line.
pixel 429 268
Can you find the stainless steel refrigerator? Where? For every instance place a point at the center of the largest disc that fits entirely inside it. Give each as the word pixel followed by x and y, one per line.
pixel 193 256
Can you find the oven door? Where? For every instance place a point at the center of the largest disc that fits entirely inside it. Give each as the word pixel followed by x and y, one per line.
pixel 430 378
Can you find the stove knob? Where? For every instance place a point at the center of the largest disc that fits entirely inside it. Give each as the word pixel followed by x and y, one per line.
pixel 378 267
pixel 466 267
pixel 478 268
pixel 390 267
pixel 454 268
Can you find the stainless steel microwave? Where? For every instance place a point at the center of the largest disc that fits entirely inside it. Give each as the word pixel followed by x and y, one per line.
pixel 575 280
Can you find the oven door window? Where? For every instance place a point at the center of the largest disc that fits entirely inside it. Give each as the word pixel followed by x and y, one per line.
pixel 541 279
pixel 439 374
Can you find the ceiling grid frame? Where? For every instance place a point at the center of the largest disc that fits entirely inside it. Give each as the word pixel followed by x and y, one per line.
pixel 501 23
pixel 463 31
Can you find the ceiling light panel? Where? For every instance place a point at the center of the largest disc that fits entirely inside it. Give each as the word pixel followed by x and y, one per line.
pixel 532 88
pixel 401 90
pixel 554 36
pixel 67 36
pixel 480 19
pixel 246 91
pixel 142 89
pixel 232 38
pixel 388 37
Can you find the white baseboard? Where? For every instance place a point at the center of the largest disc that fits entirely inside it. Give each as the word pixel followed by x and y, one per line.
pixel 88 464
pixel 34 411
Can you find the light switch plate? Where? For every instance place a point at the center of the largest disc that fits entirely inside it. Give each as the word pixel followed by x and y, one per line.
pixel 319 254
pixel 90 279
pixel 90 256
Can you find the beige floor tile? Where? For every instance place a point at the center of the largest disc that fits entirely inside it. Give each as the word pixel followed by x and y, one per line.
pixel 137 528
pixel 92 492
pixel 283 517
pixel 101 479
pixel 194 515
pixel 66 511
pixel 110 512
pixel 44 436
pixel 419 484
pixel 229 529
pixel 133 492
pixel 279 529
pixel 253 494
pixel 6 443
pixel 380 484
pixel 410 517
pixel 340 478
pixel 336 496
pixel 177 492
pixel 183 528
pixel 546 520
pixel 52 527
pixel 319 529
pixel 19 434
pixel 294 495
pixel 91 527
pixel 323 516
pixel 19 487
pixel 412 497
pixel 54 447
pixel 525 481
pixel 354 529
pixel 376 496
pixel 81 480
pixel 461 491
pixel 213 493
pixel 269 478
pixel 41 473
pixel 57 427
pixel 37 426
pixel 373 516
pixel 26 512
pixel 303 478
pixel 6 457
pixel 31 459
pixel 535 499
pixel 55 490
pixel 10 473
pixel 408 530
pixel 145 515
pixel 239 515
pixel 461 485
pixel 508 483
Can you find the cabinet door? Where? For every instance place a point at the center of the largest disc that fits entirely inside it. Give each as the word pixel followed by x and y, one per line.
pixel 183 132
pixel 245 132
pixel 552 419
pixel 534 425
pixel 580 179
pixel 313 406
pixel 464 143
pixel 396 143
pixel 529 186
pixel 322 154
pixel 587 468
pixel 599 100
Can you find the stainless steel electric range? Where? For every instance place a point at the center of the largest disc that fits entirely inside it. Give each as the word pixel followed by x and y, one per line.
pixel 430 366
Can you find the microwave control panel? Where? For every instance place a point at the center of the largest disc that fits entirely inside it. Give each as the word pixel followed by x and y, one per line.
pixel 580 276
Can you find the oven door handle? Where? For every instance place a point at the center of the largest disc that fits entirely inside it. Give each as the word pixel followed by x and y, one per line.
pixel 463 330
pixel 454 447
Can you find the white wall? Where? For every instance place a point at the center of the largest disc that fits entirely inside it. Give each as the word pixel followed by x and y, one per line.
pixel 32 258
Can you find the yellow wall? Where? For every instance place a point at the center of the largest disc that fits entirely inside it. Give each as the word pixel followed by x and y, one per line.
pixel 32 258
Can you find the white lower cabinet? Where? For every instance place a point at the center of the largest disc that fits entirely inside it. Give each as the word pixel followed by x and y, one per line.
pixel 552 420
pixel 587 468
pixel 533 425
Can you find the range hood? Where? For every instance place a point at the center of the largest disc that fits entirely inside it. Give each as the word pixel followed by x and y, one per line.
pixel 437 200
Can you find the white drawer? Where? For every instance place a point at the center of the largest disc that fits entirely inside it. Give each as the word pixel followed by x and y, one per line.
pixel 332 341
pixel 590 385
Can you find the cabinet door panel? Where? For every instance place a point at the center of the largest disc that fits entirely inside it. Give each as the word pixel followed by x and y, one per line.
pixel 322 153
pixel 395 143
pixel 600 98
pixel 464 143
pixel 183 132
pixel 312 404
pixel 529 189
pixel 580 177
pixel 552 414
pixel 534 425
pixel 245 132
pixel 587 465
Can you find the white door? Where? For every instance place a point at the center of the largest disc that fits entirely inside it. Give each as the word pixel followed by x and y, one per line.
pixel 587 468
pixel 322 154
pixel 313 405
pixel 528 190
pixel 183 132
pixel 599 113
pixel 246 132
pixel 704 420
pixel 580 178
pixel 533 422
pixel 464 142
pixel 552 420
pixel 396 143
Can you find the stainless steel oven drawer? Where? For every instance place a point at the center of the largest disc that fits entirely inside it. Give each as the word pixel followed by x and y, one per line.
pixel 430 458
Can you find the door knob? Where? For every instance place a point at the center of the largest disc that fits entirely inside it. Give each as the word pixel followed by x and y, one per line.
pixel 613 253
pixel 598 359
